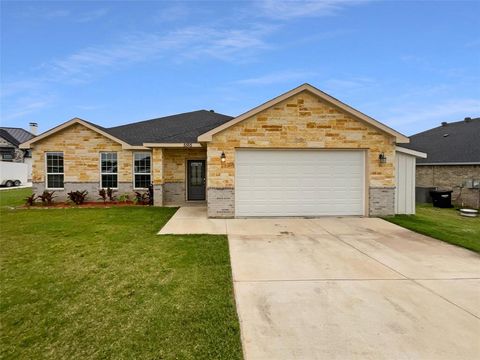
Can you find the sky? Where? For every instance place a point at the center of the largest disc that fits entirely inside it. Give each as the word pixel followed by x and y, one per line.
pixel 408 64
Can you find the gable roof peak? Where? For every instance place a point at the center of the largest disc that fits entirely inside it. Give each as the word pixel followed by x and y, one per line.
pixel 399 138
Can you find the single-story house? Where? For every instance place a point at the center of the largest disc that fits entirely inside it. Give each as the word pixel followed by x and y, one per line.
pixel 453 161
pixel 303 153
pixel 10 140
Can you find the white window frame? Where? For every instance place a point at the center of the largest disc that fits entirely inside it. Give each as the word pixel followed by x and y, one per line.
pixel 47 173
pixel 102 173
pixel 135 173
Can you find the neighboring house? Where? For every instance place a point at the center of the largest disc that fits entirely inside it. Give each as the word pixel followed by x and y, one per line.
pixel 453 161
pixel 10 140
pixel 303 153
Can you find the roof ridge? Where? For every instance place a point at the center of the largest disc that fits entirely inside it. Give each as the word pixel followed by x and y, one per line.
pixel 446 125
pixel 16 128
pixel 164 117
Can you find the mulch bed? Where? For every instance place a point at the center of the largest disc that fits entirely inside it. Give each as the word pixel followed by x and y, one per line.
pixel 86 205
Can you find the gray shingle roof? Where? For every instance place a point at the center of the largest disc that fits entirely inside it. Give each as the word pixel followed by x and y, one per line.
pixel 19 134
pixel 457 142
pixel 9 138
pixel 180 128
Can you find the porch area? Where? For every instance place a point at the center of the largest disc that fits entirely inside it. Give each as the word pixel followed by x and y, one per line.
pixel 179 176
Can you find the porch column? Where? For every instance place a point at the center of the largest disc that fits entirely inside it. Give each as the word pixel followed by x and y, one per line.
pixel 157 164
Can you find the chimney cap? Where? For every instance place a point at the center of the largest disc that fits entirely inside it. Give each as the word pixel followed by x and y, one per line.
pixel 444 123
pixel 33 124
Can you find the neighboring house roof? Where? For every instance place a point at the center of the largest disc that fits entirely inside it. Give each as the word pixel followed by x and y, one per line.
pixel 400 138
pixel 9 138
pixel 18 134
pixel 450 143
pixel 174 129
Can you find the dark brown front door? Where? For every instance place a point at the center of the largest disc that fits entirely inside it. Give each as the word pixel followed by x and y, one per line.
pixel 196 179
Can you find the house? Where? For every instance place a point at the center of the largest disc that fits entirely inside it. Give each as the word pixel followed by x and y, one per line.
pixel 10 140
pixel 303 153
pixel 453 161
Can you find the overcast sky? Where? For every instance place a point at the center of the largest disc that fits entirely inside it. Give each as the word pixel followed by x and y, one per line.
pixel 409 64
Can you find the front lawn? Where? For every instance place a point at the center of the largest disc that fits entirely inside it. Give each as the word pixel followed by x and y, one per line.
pixel 99 284
pixel 442 224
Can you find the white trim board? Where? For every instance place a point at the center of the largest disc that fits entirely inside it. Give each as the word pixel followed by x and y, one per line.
pixel 411 152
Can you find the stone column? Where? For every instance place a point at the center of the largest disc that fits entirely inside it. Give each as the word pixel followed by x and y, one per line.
pixel 157 172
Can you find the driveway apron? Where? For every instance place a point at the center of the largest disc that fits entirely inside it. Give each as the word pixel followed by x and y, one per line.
pixel 352 288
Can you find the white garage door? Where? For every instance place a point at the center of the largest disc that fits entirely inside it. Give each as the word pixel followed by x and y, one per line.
pixel 299 182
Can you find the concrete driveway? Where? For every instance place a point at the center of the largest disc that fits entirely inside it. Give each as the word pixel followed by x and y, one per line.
pixel 351 288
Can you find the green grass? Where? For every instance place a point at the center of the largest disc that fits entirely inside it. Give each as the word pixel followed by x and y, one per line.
pixel 99 284
pixel 442 224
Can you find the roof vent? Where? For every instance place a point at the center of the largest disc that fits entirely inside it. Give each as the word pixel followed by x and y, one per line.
pixel 445 135
pixel 468 119
pixel 212 110
pixel 444 123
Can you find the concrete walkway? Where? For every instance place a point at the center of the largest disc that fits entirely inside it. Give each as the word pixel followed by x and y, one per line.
pixel 193 220
pixel 347 288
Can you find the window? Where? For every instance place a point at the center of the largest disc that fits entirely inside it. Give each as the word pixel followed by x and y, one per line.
pixel 55 174
pixel 141 170
pixel 109 170
pixel 7 155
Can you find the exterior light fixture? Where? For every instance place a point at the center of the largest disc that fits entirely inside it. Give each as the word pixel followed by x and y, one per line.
pixel 382 158
pixel 222 157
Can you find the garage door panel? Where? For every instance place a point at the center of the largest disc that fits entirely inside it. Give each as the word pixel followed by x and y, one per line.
pixel 299 183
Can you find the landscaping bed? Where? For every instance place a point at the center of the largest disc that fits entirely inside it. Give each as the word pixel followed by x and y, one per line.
pixel 443 224
pixel 87 204
pixel 99 283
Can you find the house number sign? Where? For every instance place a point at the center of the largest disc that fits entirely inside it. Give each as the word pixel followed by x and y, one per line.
pixel 187 145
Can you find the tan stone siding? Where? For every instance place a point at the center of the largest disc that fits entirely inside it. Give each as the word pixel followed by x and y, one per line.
pixel 451 177
pixel 303 121
pixel 157 166
pixel 81 148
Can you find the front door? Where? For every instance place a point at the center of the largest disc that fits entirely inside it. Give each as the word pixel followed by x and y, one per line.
pixel 196 179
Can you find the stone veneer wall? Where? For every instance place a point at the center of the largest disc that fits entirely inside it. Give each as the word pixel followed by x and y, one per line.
pixel 451 177
pixel 81 147
pixel 381 201
pixel 302 121
pixel 91 187
pixel 221 202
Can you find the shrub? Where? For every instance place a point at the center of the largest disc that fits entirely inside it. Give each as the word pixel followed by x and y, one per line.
pixel 111 194
pixel 124 198
pixel 47 197
pixel 103 195
pixel 142 198
pixel 77 197
pixel 30 200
